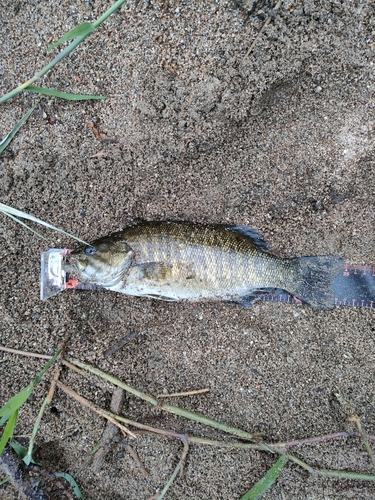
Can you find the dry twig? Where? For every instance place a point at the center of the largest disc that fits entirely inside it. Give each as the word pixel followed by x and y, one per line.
pixel 106 414
pixel 266 23
pixel 121 343
pixel 187 393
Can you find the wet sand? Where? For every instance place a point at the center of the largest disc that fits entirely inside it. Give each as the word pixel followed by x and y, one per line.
pixel 281 140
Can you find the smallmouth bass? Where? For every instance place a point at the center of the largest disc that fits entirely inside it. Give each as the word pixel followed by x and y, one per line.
pixel 186 261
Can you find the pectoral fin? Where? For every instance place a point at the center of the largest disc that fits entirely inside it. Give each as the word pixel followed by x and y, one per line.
pixel 160 297
pixel 154 271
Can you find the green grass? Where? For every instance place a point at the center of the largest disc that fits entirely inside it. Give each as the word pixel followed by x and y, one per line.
pixel 64 95
pixel 72 483
pixel 8 138
pixel 9 412
pixel 267 481
pixel 78 35
pixel 82 29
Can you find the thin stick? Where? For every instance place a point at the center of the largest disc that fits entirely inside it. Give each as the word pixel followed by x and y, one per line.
pixel 341 474
pixel 188 393
pixel 121 343
pixel 279 447
pixel 110 436
pixel 42 356
pixel 52 389
pixel 56 376
pixel 192 439
pixel 135 457
pixel 366 444
pixel 285 444
pixel 353 417
pixel 175 472
pixel 169 408
pixel 117 402
pixel 27 459
pixel 25 353
pixel 73 367
pixel 61 55
pixel 93 328
pixel 267 22
pixel 111 416
pixel 317 439
pixel 104 413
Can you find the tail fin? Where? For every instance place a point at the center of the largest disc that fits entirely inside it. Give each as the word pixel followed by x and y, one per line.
pixel 313 283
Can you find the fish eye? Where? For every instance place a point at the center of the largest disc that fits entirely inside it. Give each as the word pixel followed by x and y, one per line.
pixel 90 250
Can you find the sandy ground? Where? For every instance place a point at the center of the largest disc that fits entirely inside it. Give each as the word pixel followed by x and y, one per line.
pixel 281 140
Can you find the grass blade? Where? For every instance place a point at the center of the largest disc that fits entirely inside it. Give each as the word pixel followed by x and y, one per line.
pixel 25 225
pixel 64 95
pixel 4 419
pixel 343 474
pixel 14 213
pixel 95 449
pixel 72 483
pixel 10 409
pixel 15 402
pixel 178 468
pixel 5 480
pixel 8 431
pixel 18 400
pixel 83 29
pixel 20 450
pixel 263 484
pixel 28 458
pixel 8 138
pixel 39 377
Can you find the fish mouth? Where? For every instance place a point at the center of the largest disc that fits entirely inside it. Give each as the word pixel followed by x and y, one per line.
pixel 79 271
pixel 72 267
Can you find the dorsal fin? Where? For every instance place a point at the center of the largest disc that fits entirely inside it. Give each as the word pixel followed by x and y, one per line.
pixel 256 236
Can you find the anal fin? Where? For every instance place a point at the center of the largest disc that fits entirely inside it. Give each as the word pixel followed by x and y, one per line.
pixel 253 296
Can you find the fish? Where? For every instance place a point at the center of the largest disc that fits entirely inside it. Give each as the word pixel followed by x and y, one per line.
pixel 179 260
